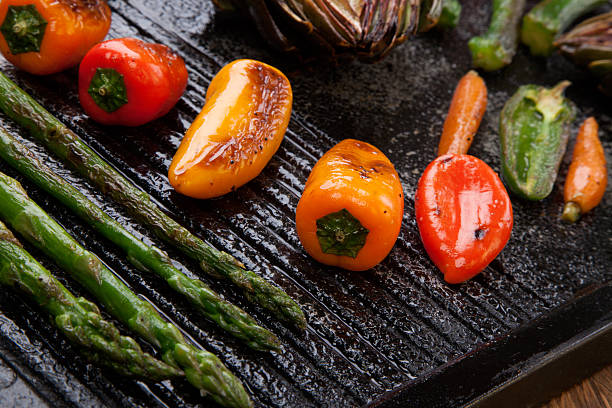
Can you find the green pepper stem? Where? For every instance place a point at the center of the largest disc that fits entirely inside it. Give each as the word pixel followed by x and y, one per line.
pixel 340 233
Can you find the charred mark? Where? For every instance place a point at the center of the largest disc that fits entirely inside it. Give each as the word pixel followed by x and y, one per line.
pixel 479 234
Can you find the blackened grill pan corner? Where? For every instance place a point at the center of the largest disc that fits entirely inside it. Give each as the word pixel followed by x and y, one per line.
pixel 393 336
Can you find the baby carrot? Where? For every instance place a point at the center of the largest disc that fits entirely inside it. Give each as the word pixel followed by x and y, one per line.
pixel 587 177
pixel 466 111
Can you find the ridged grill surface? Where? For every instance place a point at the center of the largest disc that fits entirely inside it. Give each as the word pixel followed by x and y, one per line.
pixel 369 332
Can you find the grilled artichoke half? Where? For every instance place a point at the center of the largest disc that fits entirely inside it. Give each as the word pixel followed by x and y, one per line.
pixel 366 29
pixel 589 44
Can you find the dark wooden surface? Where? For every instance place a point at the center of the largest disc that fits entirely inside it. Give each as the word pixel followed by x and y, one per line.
pixel 593 392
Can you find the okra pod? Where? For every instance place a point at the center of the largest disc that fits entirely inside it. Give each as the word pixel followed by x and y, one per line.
pixel 496 48
pixel 534 129
pixel 550 18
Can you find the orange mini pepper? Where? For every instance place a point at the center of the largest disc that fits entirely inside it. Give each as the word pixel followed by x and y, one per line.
pixel 467 108
pixel 351 209
pixel 586 180
pixel 244 119
pixel 48 36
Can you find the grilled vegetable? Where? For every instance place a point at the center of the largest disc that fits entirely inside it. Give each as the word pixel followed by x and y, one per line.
pixel 534 129
pixel 589 44
pixel 449 17
pixel 202 369
pixel 351 209
pixel 464 215
pixel 147 258
pixel 497 47
pixel 20 107
pixel 586 180
pixel 550 18
pixel 78 319
pixel 49 36
pixel 126 81
pixel 242 124
pixel 467 108
pixel 367 29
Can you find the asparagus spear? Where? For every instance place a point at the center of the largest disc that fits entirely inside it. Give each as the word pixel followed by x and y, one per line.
pixel 497 47
pixel 78 319
pixel 24 110
pixel 149 258
pixel 202 369
pixel 550 18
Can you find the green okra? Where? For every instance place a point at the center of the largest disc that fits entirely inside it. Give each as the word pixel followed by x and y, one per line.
pixel 145 257
pixel 202 368
pixel 496 48
pixel 550 18
pixel 534 129
pixel 451 12
pixel 77 318
pixel 69 147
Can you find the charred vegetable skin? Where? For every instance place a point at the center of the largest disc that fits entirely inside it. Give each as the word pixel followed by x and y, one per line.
pixel 587 177
pixel 148 258
pixel 589 44
pixel 350 212
pixel 68 146
pixel 48 36
pixel 129 82
pixel 549 19
pixel 534 129
pixel 366 29
pixel 497 47
pixel 78 319
pixel 464 215
pixel 242 124
pixel 202 369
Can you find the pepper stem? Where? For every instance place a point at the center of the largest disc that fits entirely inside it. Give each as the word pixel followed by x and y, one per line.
pixel 549 101
pixel 571 212
pixel 23 29
pixel 340 233
pixel 107 89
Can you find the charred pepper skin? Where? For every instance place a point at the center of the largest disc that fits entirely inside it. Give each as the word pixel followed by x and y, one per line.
pixel 78 319
pixel 69 147
pixel 202 368
pixel 144 257
pixel 550 18
pixel 534 129
pixel 495 49
pixel 48 36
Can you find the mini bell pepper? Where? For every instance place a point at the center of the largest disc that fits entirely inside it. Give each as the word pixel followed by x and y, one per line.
pixel 242 124
pixel 534 129
pixel 129 82
pixel 350 212
pixel 48 36
pixel 464 215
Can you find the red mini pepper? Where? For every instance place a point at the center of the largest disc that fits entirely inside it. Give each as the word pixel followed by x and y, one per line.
pixel 129 82
pixel 464 215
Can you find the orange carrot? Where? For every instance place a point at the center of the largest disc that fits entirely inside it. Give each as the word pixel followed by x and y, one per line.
pixel 587 177
pixel 466 111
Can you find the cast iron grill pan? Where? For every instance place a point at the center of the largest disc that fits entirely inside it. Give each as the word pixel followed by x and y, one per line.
pixel 397 327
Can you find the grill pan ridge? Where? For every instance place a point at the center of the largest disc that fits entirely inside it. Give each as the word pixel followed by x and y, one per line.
pixel 397 335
